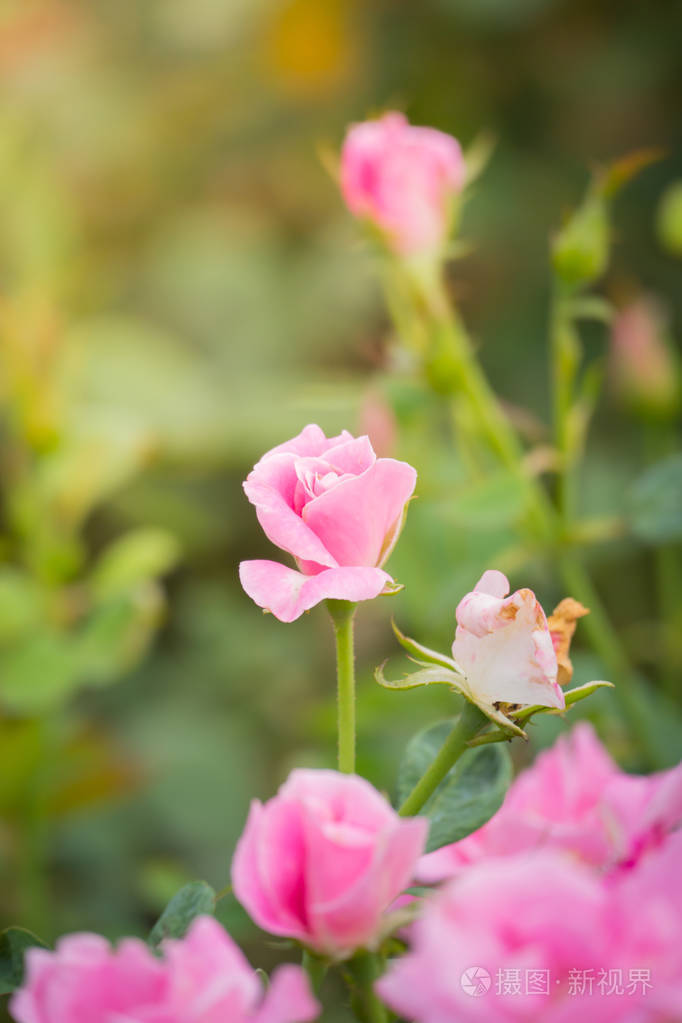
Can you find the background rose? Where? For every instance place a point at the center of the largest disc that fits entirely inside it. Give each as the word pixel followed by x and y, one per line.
pixel 402 178
pixel 203 977
pixel 545 912
pixel 573 797
pixel 337 508
pixel 323 860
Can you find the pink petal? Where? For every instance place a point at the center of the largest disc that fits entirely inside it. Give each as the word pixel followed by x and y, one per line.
pixel 288 593
pixel 351 916
pixel 271 488
pixel 311 441
pixel 357 520
pixel 266 872
pixel 288 998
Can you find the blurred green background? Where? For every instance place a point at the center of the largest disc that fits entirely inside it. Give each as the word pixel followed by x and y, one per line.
pixel 181 289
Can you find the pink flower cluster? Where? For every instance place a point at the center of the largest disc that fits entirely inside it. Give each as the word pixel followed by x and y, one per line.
pixel 337 508
pixel 565 906
pixel 574 798
pixel 203 978
pixel 324 859
pixel 542 937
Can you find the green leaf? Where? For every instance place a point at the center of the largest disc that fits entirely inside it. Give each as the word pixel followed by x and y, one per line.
pixel 196 899
pixel 655 502
pixel 136 557
pixel 469 795
pixel 13 944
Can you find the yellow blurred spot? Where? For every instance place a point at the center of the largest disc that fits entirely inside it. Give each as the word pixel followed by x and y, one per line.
pixel 311 47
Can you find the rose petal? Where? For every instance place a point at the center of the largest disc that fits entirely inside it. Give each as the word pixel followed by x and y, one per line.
pixel 355 519
pixel 288 593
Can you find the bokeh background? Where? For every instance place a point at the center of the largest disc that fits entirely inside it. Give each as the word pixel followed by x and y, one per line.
pixel 181 289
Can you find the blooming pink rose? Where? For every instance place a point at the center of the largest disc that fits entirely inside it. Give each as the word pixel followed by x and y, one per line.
pixel 504 646
pixel 202 978
pixel 548 938
pixel 324 859
pixel 337 508
pixel 574 797
pixel 403 179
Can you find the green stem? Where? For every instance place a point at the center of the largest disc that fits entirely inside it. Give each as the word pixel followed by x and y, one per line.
pixel 316 969
pixel 342 613
pixel 364 969
pixel 467 725
pixel 454 370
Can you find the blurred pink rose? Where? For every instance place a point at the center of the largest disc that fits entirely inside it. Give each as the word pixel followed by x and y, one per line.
pixel 574 797
pixel 643 368
pixel 202 978
pixel 337 508
pixel 550 941
pixel 504 646
pixel 324 859
pixel 403 179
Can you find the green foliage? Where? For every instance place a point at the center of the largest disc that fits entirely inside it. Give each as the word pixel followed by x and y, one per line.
pixel 472 791
pixel 669 219
pixel 655 502
pixel 14 941
pixel 196 899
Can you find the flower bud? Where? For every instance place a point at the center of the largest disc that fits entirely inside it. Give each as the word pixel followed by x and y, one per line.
pixel 324 859
pixel 580 250
pixel 644 372
pixel 403 179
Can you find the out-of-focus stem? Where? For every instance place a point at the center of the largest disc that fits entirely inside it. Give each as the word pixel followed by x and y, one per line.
pixel 454 370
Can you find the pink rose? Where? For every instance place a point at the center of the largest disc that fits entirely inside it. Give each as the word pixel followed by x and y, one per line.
pixel 574 797
pixel 203 978
pixel 324 859
pixel 403 179
pixel 337 508
pixel 547 938
pixel 504 646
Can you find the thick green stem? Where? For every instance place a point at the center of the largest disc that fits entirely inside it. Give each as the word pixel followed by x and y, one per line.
pixel 342 613
pixel 363 970
pixel 316 969
pixel 467 725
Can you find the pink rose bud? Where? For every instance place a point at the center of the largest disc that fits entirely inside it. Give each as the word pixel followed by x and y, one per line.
pixel 203 978
pixel 541 938
pixel 504 646
pixel 403 179
pixel 574 797
pixel 323 860
pixel 644 372
pixel 334 506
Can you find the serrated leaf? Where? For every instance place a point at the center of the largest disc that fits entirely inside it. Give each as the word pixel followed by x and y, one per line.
pixel 424 653
pixel 196 899
pixel 655 502
pixel 468 796
pixel 14 941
